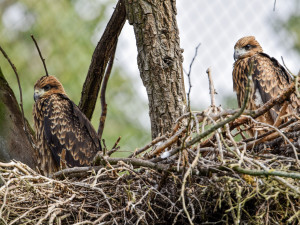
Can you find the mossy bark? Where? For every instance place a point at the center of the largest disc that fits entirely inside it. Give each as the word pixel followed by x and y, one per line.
pixel 159 60
pixel 14 143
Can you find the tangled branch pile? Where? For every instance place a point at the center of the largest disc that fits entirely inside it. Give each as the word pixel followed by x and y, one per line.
pixel 215 180
pixel 206 171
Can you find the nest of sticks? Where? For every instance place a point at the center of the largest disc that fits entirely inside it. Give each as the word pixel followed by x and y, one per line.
pixel 206 171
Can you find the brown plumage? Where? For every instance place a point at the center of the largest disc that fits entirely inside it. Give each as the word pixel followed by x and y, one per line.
pixel 268 76
pixel 65 137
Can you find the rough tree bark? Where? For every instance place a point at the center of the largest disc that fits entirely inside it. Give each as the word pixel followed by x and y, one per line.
pixel 159 60
pixel 14 143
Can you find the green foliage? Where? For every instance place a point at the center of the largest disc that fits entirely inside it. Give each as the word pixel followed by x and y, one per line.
pixel 293 28
pixel 64 31
pixel 290 25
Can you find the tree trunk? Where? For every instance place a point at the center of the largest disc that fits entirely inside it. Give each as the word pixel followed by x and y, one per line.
pixel 159 60
pixel 14 143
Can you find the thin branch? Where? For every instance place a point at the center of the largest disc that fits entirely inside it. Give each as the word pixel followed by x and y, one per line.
pixel 290 72
pixel 43 60
pixel 189 74
pixel 187 173
pixel 283 136
pixel 273 141
pixel 266 173
pixel 115 147
pixel 155 141
pixel 21 97
pixel 189 100
pixel 113 150
pixel 117 142
pixel 266 107
pixel 212 90
pixel 168 143
pixel 270 131
pixel 254 114
pixel 103 91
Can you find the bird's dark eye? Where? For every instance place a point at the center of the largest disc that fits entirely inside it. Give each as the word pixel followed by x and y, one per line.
pixel 247 47
pixel 47 87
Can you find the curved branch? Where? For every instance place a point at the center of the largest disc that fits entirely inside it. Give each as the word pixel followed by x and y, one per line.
pixel 100 58
pixel 19 84
pixel 26 126
pixel 103 91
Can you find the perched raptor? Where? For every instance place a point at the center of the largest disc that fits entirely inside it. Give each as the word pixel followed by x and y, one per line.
pixel 269 79
pixel 65 137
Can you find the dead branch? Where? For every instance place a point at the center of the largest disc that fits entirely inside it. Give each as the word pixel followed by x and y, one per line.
pixel 100 59
pixel 43 59
pixel 254 114
pixel 143 149
pixel 168 143
pixel 115 147
pixel 19 84
pixel 103 91
pixel 266 107
pixel 212 90
pixel 189 120
pixel 189 74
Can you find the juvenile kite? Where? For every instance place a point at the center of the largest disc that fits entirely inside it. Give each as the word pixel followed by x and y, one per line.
pixel 65 137
pixel 269 79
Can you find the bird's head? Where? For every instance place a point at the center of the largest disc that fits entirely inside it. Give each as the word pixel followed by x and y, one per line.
pixel 46 86
pixel 246 47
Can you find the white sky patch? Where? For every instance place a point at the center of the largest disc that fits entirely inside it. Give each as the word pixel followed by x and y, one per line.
pixel 89 9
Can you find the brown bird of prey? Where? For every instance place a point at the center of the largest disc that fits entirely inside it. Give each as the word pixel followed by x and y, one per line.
pixel 65 137
pixel 268 76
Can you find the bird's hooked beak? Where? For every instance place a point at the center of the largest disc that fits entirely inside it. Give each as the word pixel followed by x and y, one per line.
pixel 235 55
pixel 238 52
pixel 37 94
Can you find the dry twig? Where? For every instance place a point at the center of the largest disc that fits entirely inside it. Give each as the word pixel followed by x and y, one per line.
pixel 43 60
pixel 103 91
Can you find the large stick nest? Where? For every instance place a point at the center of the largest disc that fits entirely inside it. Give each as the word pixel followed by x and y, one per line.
pixel 225 182
pixel 206 171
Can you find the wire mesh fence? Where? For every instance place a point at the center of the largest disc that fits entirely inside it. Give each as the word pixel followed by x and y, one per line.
pixel 69 30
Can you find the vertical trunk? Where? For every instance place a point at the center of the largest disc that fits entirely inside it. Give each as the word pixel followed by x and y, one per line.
pixel 159 60
pixel 14 143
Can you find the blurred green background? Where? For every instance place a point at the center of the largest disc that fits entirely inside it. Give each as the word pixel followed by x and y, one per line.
pixel 68 30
